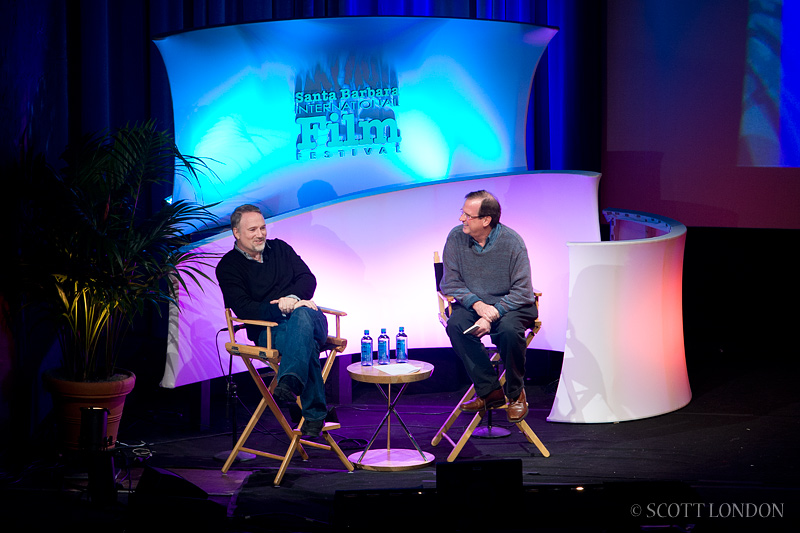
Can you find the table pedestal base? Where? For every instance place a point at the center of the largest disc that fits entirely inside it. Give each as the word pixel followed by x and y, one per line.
pixel 392 460
pixel 490 432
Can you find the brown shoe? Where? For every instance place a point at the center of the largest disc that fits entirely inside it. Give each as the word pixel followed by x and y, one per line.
pixel 518 409
pixel 493 400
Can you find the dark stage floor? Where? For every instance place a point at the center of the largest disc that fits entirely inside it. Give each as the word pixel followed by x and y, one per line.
pixel 726 462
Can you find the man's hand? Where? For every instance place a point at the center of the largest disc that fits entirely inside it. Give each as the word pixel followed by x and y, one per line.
pixel 306 303
pixel 286 304
pixel 484 327
pixel 486 311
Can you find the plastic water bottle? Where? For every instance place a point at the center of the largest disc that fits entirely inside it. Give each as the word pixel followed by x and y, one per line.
pixel 366 349
pixel 401 346
pixel 383 348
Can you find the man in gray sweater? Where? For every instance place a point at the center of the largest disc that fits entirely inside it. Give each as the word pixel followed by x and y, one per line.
pixel 487 270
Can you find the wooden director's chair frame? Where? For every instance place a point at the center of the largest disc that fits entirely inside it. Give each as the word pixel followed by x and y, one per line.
pixel 269 355
pixel 445 309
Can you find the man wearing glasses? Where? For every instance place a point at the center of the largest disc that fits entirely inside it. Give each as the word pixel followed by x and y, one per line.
pixel 487 270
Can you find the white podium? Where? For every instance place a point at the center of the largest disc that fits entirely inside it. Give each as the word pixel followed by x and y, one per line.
pixel 624 357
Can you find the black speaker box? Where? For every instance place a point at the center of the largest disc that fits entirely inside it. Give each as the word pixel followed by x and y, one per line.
pixel 503 477
pixel 467 498
pixel 401 509
pixel 470 488
pixel 160 483
pixel 163 498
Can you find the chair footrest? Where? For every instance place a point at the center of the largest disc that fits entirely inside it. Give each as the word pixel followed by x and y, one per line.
pixel 329 426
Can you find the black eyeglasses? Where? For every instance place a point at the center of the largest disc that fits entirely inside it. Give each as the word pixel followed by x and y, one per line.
pixel 470 217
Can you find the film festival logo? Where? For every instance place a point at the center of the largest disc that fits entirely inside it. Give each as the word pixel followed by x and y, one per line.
pixel 347 110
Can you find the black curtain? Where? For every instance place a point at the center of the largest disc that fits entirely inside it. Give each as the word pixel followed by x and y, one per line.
pixel 68 68
pixel 81 66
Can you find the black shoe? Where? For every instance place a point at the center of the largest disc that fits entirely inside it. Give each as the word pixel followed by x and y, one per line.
pixel 287 390
pixel 312 428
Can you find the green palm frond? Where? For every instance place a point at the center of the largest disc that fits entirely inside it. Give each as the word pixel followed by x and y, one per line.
pixel 111 254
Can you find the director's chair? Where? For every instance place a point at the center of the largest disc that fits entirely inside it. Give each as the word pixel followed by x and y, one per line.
pixel 445 309
pixel 269 355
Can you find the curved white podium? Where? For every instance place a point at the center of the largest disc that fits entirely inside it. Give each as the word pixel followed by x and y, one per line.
pixel 624 357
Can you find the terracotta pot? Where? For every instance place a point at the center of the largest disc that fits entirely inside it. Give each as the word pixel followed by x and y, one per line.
pixel 70 396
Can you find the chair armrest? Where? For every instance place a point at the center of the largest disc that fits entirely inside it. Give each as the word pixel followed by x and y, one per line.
pixel 338 326
pixel 337 339
pixel 329 311
pixel 265 355
pixel 254 322
pixel 445 307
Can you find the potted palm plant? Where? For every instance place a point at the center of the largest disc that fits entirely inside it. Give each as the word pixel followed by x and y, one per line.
pixel 96 255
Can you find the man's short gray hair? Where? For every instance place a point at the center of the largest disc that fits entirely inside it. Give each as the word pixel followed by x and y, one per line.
pixel 236 216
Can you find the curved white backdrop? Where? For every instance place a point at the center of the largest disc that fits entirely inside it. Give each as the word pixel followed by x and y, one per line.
pixel 458 92
pixel 373 258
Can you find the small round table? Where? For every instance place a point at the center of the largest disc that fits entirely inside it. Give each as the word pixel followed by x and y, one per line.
pixel 390 459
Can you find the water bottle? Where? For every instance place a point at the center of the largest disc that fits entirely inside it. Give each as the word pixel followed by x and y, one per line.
pixel 383 348
pixel 401 346
pixel 366 349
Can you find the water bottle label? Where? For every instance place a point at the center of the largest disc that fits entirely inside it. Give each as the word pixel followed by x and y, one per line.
pixel 383 352
pixel 402 351
pixel 366 354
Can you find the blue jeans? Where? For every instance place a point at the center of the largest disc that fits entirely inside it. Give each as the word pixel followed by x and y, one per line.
pixel 299 339
pixel 507 333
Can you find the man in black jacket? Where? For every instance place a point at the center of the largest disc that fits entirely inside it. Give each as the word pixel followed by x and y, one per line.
pixel 265 279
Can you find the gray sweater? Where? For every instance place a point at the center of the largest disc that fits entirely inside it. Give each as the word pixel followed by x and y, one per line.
pixel 499 275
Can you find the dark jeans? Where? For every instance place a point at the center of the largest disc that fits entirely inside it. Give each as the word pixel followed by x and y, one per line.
pixel 298 339
pixel 507 334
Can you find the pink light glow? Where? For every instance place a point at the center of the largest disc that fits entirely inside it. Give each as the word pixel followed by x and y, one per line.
pixel 624 356
pixel 373 258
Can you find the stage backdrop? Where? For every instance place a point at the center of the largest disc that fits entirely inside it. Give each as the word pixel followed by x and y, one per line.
pixel 295 113
pixel 373 258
